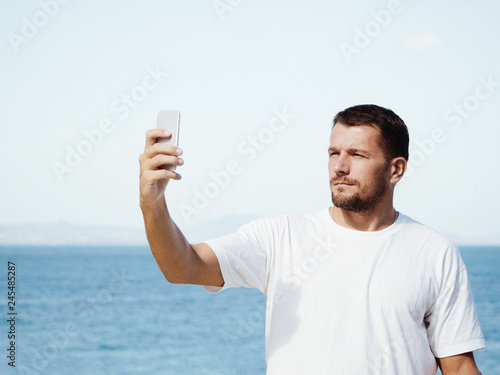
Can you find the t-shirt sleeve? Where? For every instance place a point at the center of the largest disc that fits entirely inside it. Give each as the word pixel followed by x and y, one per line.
pixel 244 256
pixel 452 323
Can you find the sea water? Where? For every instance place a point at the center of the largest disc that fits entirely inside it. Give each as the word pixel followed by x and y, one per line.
pixel 108 310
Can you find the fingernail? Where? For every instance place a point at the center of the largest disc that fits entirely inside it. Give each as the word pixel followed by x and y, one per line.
pixel 178 151
pixel 168 132
pixel 181 161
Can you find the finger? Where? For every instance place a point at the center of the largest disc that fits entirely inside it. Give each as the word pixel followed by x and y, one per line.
pixel 160 174
pixel 153 134
pixel 162 148
pixel 160 160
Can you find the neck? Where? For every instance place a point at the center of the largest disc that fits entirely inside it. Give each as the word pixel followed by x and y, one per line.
pixel 374 220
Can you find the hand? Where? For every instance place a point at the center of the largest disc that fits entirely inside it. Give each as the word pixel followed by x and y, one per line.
pixel 154 180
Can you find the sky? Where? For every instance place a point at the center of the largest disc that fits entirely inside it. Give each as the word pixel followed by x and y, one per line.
pixel 257 84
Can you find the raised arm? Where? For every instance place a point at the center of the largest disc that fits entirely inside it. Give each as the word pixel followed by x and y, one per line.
pixel 179 261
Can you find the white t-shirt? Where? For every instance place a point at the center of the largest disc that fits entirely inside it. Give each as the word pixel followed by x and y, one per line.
pixel 341 301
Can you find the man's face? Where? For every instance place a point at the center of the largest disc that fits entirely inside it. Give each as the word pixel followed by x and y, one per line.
pixel 358 169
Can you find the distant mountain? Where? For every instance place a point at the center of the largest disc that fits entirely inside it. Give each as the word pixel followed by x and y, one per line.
pixel 490 239
pixel 64 233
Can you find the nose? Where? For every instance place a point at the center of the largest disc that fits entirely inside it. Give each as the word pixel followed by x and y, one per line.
pixel 341 165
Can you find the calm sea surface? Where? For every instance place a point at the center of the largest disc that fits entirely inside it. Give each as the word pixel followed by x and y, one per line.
pixel 108 310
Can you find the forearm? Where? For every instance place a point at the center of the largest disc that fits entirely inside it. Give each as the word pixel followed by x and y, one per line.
pixel 462 364
pixel 173 253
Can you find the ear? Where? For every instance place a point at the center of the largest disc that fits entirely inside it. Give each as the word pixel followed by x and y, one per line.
pixel 398 167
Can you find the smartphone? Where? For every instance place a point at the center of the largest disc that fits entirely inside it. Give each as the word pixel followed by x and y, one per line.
pixel 169 120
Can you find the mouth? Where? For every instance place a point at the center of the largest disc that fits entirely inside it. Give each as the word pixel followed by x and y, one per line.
pixel 342 184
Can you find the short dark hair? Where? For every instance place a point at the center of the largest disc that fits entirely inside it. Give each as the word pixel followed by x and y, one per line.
pixel 394 132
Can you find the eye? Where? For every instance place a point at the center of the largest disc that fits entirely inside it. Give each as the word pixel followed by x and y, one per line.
pixel 359 156
pixel 333 153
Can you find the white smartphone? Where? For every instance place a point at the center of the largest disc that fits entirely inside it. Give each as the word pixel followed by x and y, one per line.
pixel 169 120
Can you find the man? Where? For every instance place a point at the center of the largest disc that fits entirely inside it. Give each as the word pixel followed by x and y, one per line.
pixel 354 289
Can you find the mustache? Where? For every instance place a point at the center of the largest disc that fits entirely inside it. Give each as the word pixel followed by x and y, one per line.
pixel 343 180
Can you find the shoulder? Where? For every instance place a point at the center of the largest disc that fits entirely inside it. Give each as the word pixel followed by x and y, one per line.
pixel 316 218
pixel 270 222
pixel 431 245
pixel 283 221
pixel 425 235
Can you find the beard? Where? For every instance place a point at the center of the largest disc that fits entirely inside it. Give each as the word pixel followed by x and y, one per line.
pixel 364 199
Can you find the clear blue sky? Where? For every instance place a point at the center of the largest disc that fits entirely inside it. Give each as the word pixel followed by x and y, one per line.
pixel 228 67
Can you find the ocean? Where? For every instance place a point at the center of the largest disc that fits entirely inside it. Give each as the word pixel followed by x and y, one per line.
pixel 108 310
